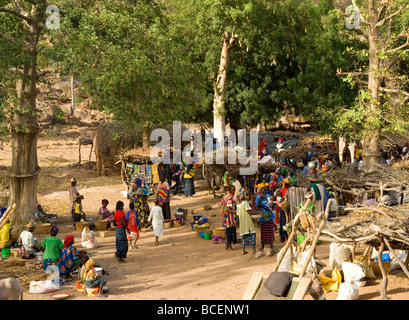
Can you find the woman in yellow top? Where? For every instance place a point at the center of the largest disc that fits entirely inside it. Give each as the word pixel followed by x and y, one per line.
pixel 189 179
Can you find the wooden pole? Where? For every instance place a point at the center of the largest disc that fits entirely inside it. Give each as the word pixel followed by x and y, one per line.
pixel 291 236
pixel 316 237
pixel 7 215
pixel 382 267
pixel 396 256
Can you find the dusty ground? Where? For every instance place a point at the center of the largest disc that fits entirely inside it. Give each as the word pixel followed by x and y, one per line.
pixel 183 266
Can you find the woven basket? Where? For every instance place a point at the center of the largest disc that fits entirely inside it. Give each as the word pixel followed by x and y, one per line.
pixel 81 225
pixel 219 232
pixel 43 228
pixel 200 228
pixel 376 270
pixel 92 292
pixel 177 222
pixel 101 224
pixel 167 225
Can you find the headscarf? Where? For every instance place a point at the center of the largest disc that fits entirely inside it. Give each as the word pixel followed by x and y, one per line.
pixel 68 239
pixel 89 271
pixel 283 171
pixel 259 186
pixel 55 229
pixel 71 181
pixel 242 194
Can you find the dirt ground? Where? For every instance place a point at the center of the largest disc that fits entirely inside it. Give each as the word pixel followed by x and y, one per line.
pixel 184 266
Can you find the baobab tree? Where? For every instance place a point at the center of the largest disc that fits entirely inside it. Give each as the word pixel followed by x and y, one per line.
pixel 21 25
pixel 384 87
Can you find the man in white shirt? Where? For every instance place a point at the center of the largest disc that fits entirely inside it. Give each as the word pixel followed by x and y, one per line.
pixel 27 242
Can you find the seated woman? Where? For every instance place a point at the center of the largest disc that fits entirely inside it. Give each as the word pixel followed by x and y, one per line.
pixel 89 277
pixel 40 215
pixel 5 236
pixel 28 246
pixel 70 258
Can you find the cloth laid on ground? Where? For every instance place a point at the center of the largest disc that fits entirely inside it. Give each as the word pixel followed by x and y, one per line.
pixel 88 239
pixel 333 283
pixel 279 283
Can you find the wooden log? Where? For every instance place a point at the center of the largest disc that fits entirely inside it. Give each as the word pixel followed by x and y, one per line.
pixel 253 286
pixel 292 235
pixel 316 237
pixel 302 288
pixel 382 268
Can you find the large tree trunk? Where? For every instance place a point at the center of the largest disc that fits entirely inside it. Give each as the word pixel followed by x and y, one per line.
pixel 24 165
pixel 219 121
pixel 24 127
pixel 372 133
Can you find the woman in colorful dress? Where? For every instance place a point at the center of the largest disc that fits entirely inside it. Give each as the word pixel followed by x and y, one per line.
pixel 70 258
pixel 163 196
pixel 229 217
pixel 142 207
pixel 121 237
pixel 267 225
pixel 90 277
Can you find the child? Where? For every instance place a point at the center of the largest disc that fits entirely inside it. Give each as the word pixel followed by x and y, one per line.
pixel 79 214
pixel 52 248
pixel 104 213
pixel 133 225
pixel 156 218
pixel 246 226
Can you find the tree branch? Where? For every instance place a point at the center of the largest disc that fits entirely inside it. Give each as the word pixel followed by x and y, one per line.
pixel 19 15
pixel 401 47
pixel 339 72
pixel 394 91
pixel 380 23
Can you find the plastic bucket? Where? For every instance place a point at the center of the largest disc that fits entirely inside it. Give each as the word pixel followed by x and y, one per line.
pixel 202 234
pixel 92 292
pixel 79 285
pixel 5 252
pixel 208 236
